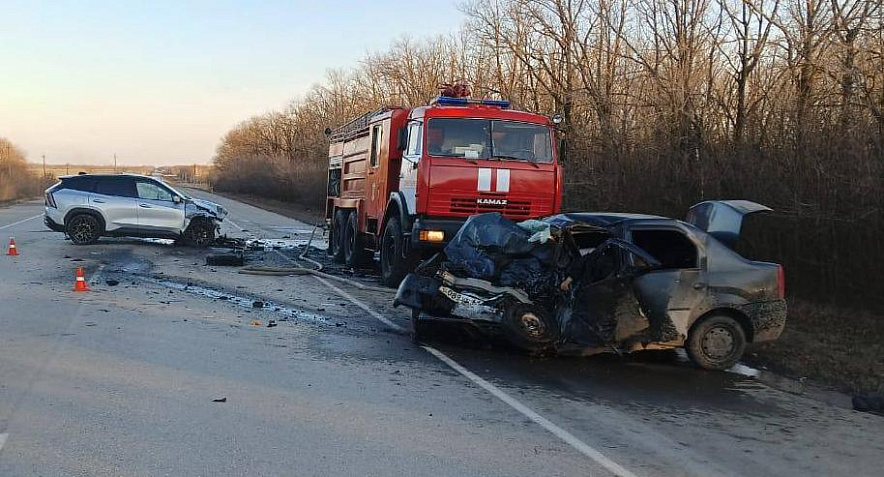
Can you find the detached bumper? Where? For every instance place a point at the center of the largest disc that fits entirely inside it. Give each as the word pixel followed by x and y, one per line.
pixel 52 224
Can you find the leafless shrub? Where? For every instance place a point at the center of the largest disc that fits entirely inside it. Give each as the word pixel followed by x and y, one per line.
pixel 16 180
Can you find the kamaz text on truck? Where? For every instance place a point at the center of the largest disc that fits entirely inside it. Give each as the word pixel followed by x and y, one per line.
pixel 402 181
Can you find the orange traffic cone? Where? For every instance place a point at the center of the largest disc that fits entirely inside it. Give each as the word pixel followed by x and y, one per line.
pixel 12 251
pixel 80 285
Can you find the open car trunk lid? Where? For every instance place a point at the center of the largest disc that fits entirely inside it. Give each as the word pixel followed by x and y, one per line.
pixel 723 219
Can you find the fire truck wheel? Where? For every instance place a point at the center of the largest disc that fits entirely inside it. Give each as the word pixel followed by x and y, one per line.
pixel 393 265
pixel 336 241
pixel 354 250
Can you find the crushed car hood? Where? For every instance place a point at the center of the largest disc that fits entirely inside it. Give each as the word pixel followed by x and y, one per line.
pixel 206 207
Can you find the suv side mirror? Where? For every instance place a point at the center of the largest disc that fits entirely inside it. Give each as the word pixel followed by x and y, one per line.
pixel 402 139
pixel 176 199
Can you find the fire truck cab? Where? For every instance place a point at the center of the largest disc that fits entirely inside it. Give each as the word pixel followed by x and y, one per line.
pixel 403 181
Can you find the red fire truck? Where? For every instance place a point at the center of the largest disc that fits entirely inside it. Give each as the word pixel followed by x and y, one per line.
pixel 402 181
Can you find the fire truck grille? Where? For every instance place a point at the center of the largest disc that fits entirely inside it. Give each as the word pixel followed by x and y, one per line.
pixel 513 208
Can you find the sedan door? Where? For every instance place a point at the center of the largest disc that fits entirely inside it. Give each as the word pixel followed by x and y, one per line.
pixel 671 292
pixel 115 197
pixel 157 209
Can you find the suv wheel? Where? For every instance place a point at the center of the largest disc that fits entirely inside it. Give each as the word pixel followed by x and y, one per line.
pixel 717 342
pixel 200 233
pixel 83 229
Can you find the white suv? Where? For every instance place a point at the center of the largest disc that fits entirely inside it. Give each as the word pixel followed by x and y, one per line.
pixel 88 206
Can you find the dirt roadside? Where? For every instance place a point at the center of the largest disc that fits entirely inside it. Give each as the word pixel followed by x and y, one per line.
pixel 834 346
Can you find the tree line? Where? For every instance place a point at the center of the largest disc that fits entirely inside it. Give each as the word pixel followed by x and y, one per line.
pixel 666 103
pixel 16 179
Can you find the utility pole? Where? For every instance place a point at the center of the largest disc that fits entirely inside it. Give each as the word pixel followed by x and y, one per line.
pixel 8 162
pixel 115 163
pixel 44 166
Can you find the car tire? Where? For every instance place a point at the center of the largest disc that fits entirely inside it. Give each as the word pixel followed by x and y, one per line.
pixel 529 327
pixel 83 229
pixel 354 250
pixel 393 265
pixel 716 342
pixel 200 233
pixel 336 240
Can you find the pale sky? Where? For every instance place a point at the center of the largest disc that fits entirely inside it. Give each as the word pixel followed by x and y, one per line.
pixel 159 82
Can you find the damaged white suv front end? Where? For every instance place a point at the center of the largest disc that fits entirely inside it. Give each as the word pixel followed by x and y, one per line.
pixel 89 206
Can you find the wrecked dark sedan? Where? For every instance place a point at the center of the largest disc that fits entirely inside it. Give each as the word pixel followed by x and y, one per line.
pixel 586 283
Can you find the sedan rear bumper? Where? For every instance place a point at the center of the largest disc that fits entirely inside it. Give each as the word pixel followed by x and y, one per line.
pixel 768 319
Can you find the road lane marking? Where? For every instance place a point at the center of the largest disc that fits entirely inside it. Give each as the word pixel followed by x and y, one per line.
pixel 543 422
pixel 358 303
pixel 234 224
pixel 3 438
pixel 20 222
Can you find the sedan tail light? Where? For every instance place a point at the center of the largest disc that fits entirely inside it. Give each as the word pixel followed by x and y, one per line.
pixel 781 282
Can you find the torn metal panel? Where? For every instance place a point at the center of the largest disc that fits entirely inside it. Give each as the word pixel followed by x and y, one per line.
pixel 194 208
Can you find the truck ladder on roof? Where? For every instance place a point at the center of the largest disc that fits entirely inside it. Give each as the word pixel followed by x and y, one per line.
pixel 354 127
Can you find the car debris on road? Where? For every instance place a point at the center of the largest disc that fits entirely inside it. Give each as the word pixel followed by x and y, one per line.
pixel 590 283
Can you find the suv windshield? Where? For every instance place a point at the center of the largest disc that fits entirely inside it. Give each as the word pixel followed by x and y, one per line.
pixel 488 139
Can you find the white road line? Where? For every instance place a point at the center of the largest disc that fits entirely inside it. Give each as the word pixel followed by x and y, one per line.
pixel 358 303
pixel 543 422
pixel 20 222
pixel 234 224
pixel 3 438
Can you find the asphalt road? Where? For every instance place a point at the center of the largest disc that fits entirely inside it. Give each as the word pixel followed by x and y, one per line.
pixel 123 380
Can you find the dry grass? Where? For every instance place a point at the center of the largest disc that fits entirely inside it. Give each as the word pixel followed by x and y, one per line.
pixel 840 347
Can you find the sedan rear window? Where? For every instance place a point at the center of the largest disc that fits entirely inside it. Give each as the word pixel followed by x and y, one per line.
pixel 672 248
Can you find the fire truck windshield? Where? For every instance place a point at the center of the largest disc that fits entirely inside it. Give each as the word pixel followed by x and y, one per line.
pixel 489 139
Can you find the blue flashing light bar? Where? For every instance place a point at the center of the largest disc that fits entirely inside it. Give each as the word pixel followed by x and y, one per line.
pixel 449 101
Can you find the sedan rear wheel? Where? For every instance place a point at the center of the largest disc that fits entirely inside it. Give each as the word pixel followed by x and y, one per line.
pixel 716 342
